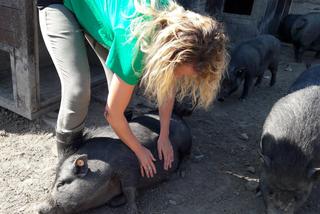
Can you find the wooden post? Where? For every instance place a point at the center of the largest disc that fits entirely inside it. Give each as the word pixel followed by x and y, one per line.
pixel 24 92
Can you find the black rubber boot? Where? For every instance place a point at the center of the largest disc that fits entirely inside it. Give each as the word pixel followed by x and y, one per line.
pixel 68 143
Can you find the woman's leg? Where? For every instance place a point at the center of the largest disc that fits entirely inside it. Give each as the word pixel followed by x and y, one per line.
pixel 102 54
pixel 65 42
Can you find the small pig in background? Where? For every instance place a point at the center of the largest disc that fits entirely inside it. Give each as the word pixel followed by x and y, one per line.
pixel 105 171
pixel 285 27
pixel 249 61
pixel 306 34
pixel 303 31
pixel 290 146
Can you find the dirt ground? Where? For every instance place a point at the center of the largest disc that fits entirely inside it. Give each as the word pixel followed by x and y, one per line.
pixel 221 176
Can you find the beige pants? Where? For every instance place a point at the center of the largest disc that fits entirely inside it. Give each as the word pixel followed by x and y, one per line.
pixel 64 40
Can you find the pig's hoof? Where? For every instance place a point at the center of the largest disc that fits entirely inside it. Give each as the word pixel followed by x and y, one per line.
pixel 44 208
pixel 308 65
pixel 182 173
pixel 272 84
pixel 133 211
pixel 117 201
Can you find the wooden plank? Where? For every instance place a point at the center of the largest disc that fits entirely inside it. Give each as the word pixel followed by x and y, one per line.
pixel 4 63
pixel 17 4
pixel 11 105
pixel 9 38
pixel 13 74
pixel 19 36
pixel 214 7
pixel 275 11
pixel 9 19
pixel 25 61
pixel 6 89
pixel 43 110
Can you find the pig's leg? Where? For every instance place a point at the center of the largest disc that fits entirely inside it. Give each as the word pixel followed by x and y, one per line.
pixel 184 164
pixel 118 201
pixel 308 65
pixel 247 84
pixel 259 79
pixel 273 69
pixel 298 51
pixel 130 194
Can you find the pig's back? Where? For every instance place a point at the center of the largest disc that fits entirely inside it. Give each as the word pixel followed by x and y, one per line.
pixel 310 77
pixel 295 119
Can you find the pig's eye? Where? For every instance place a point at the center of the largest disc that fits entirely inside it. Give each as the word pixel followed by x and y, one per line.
pixel 270 193
pixel 60 184
pixel 297 197
pixel 64 182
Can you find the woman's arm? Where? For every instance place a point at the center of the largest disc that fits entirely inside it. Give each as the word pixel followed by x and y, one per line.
pixel 165 149
pixel 118 99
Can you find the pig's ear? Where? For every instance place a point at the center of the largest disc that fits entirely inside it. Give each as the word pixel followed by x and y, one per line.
pixel 240 72
pixel 265 159
pixel 80 166
pixel 314 173
pixel 266 147
pixel 267 144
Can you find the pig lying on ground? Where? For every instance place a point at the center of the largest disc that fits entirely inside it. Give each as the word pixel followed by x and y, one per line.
pixel 250 60
pixel 105 171
pixel 290 146
pixel 304 32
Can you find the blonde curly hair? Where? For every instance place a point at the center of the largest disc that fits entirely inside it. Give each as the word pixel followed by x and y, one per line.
pixel 171 36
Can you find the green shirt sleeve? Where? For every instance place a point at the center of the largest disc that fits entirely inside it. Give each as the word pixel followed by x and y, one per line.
pixel 125 59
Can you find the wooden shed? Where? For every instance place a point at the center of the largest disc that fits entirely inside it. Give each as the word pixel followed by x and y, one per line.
pixel 29 84
pixel 244 18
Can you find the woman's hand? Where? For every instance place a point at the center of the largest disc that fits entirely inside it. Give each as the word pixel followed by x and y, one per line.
pixel 165 152
pixel 146 160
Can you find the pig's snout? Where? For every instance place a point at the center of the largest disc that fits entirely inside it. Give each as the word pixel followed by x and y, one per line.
pixel 46 208
pixel 221 95
pixel 220 99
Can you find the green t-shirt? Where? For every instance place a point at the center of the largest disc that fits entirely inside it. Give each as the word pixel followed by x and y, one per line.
pixel 108 22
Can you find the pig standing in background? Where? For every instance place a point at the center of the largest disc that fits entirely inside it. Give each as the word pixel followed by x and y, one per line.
pixel 104 170
pixel 290 146
pixel 249 61
pixel 305 33
pixel 285 27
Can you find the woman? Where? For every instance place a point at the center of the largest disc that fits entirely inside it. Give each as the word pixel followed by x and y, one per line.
pixel 173 52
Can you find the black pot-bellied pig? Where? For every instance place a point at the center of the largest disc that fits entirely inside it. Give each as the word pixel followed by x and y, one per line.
pixel 105 171
pixel 250 60
pixel 305 33
pixel 284 30
pixel 290 146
